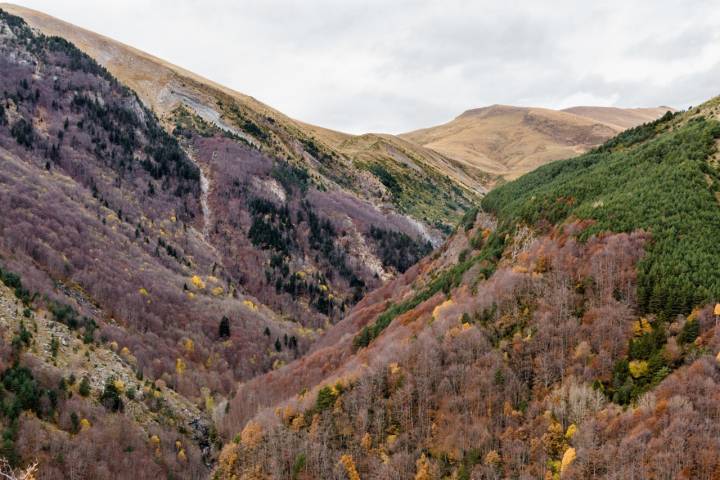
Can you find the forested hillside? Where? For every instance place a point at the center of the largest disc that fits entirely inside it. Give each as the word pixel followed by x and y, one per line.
pixel 656 178
pixel 288 209
pixel 567 331
pixel 159 261
pixel 194 285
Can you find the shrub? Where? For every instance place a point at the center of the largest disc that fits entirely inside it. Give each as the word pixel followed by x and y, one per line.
pixel 84 387
pixel 110 397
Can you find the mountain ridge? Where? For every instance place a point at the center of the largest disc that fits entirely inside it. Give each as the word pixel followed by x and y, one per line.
pixel 508 141
pixel 472 164
pixel 203 272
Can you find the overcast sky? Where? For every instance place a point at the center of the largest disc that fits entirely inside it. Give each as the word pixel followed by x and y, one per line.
pixel 398 65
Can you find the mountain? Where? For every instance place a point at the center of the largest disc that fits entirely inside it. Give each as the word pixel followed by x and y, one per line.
pixel 99 249
pixel 164 87
pixel 357 184
pixel 166 238
pixel 508 141
pixel 193 285
pixel 566 330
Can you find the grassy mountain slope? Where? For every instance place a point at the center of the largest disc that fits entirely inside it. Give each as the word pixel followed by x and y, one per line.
pixel 509 141
pixel 620 118
pixel 164 87
pixel 526 347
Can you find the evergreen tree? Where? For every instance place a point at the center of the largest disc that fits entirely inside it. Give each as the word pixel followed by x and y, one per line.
pixel 224 328
pixel 84 388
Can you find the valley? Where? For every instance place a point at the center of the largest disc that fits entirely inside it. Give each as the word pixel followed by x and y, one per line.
pixel 195 285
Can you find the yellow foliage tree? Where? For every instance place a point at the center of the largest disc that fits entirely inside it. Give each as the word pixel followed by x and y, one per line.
pixel 298 423
pixel 641 327
pixel 554 440
pixel 366 442
pixel 119 385
pixel 228 458
pixel 180 366
pixel 197 281
pixel 446 304
pixel 567 459
pixel 314 426
pixel 350 468
pixel 638 368
pixel 492 459
pixel 422 471
pixel 85 424
pixel 251 435
pixel 209 403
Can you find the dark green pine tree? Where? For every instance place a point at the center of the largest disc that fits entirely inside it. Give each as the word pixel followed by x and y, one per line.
pixel 224 328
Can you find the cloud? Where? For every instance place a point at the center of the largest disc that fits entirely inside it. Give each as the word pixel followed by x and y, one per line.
pixel 399 65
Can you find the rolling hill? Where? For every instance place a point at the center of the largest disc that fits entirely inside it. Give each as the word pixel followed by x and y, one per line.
pixel 508 141
pixel 620 118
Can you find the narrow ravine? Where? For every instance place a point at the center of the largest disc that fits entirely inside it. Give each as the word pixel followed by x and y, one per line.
pixel 204 189
pixel 204 192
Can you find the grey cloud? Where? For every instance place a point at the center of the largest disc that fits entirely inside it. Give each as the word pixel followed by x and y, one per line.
pixel 379 65
pixel 679 45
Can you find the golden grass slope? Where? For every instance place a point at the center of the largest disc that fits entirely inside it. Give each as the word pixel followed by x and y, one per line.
pixel 620 118
pixel 509 141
